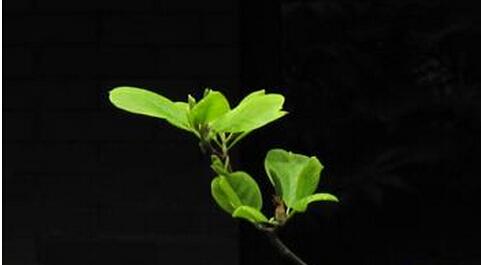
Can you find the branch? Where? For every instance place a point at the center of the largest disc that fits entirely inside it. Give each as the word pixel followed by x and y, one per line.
pixel 270 231
pixel 283 249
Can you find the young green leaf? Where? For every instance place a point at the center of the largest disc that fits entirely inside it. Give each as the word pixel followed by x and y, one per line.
pixel 301 205
pixel 252 95
pixel 294 176
pixel 255 111
pixel 236 189
pixel 250 214
pixel 209 108
pixel 246 188
pixel 224 195
pixel 141 101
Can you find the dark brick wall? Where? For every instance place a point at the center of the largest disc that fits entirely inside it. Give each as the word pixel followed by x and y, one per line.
pixel 86 183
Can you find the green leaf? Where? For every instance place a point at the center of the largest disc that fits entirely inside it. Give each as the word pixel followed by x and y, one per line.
pixel 250 214
pixel 294 176
pixel 301 205
pixel 234 190
pixel 246 189
pixel 141 101
pixel 252 95
pixel 254 111
pixel 209 108
pixel 224 195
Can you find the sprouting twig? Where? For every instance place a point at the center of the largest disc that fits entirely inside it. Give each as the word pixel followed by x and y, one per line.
pixel 270 231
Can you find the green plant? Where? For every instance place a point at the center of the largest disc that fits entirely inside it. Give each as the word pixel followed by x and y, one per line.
pixel 219 128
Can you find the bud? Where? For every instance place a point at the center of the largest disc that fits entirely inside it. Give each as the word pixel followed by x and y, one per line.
pixel 191 101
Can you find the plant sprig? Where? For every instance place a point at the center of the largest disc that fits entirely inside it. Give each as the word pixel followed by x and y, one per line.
pixel 219 128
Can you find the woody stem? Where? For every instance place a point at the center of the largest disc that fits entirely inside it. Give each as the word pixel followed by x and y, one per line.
pixel 283 249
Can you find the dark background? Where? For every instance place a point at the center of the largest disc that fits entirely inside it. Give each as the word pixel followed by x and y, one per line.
pixel 86 183
pixel 385 93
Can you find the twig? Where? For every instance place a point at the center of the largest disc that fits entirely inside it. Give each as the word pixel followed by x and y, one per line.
pixel 283 249
pixel 270 231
